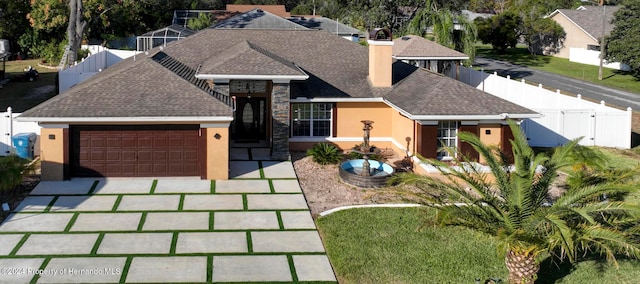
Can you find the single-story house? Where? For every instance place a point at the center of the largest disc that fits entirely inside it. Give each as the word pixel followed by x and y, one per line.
pixel 427 54
pixel 178 110
pixel 583 27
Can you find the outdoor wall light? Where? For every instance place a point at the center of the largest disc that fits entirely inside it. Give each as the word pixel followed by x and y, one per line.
pixel 488 132
pixel 52 137
pixel 217 136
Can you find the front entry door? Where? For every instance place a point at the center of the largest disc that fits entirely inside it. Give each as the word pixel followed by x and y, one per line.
pixel 250 120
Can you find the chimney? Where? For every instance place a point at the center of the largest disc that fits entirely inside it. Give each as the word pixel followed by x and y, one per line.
pixel 380 57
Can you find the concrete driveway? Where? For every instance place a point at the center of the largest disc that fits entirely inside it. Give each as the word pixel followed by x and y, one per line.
pixel 255 227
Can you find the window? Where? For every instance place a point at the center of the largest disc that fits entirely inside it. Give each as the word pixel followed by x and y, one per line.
pixel 311 119
pixel 447 138
pixel 593 47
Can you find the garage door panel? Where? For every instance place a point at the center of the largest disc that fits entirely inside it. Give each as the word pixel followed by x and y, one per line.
pixel 130 150
pixel 144 156
pixel 129 142
pixel 145 142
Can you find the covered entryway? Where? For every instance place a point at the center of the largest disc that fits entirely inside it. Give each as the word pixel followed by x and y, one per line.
pixel 137 151
pixel 250 120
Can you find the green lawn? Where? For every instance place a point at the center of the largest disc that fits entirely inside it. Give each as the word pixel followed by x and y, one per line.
pixel 521 56
pixel 21 96
pixel 385 245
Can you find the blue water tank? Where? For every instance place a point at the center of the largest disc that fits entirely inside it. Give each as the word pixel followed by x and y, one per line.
pixel 24 144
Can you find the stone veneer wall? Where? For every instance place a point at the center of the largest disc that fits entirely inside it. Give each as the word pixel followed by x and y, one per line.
pixel 280 118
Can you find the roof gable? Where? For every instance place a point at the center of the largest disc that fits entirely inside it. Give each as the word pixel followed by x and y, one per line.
pixel 590 19
pixel 416 47
pixel 245 58
pixel 134 87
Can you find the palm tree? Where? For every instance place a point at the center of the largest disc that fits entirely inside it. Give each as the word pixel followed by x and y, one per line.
pixel 450 29
pixel 512 204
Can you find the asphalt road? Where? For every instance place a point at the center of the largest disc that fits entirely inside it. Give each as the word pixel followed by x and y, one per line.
pixel 612 97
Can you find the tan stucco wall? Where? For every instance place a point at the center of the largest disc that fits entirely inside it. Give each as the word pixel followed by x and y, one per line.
pixel 575 36
pixel 494 138
pixel 403 127
pixel 380 60
pixel 349 115
pixel 52 153
pixel 218 153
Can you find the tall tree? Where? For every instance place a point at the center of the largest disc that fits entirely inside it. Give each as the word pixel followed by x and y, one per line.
pixel 76 28
pixel 501 30
pixel 449 28
pixel 13 19
pixel 622 42
pixel 512 204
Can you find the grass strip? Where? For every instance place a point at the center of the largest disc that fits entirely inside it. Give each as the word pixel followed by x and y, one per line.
pixel 53 201
pixel 71 222
pixel 19 244
pixel 153 186
pixel 181 202
pixel 271 188
pixel 260 169
pixel 174 243
pixel 142 220
pixel 125 269
pixel 292 267
pixel 213 186
pixel 42 266
pixel 93 187
pixel 280 223
pixel 211 220
pixel 209 268
pixel 117 203
pixel 245 202
pixel 94 250
pixel 249 243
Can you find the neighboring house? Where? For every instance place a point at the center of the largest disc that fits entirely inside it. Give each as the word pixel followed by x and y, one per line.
pixel 330 26
pixel 162 36
pixel 583 27
pixel 178 111
pixel 424 53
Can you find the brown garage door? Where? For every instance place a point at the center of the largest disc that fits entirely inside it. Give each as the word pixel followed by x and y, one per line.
pixel 136 151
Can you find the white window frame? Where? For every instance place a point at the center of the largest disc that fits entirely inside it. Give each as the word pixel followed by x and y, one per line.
pixel 452 126
pixel 295 117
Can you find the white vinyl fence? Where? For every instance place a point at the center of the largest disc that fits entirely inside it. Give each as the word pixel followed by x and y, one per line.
pixel 100 59
pixel 10 127
pixel 592 57
pixel 564 117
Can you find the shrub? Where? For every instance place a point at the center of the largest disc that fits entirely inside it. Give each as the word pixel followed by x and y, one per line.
pixel 325 153
pixel 12 169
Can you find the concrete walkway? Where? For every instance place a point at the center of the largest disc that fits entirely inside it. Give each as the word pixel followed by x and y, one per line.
pixel 254 227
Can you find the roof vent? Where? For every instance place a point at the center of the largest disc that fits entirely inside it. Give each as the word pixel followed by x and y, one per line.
pixel 259 11
pixel 406 38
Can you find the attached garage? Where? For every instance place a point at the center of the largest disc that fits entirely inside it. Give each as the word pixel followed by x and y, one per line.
pixel 137 151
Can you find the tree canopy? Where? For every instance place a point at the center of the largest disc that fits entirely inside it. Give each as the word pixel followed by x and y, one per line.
pixel 622 43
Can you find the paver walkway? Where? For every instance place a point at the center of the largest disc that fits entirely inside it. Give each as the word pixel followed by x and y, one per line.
pixel 253 227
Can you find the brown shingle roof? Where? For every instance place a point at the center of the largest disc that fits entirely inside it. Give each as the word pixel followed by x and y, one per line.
pixel 419 47
pixel 590 18
pixel 337 68
pixel 427 93
pixel 137 87
pixel 248 59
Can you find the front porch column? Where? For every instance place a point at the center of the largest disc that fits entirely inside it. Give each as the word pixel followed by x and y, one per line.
pixel 280 120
